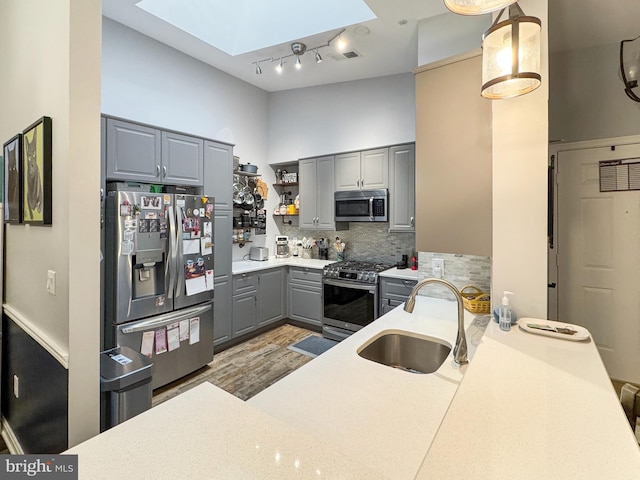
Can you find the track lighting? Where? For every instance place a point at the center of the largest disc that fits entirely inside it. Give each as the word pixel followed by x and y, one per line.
pixel 298 49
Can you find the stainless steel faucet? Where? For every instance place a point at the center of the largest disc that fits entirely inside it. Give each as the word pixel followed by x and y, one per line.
pixel 460 350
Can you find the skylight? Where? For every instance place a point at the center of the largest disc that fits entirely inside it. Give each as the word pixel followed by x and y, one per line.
pixel 241 26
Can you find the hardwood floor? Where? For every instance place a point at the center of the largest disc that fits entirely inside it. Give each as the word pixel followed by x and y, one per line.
pixel 248 368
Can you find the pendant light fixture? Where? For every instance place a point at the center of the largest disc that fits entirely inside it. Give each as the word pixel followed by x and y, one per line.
pixel 476 7
pixel 511 55
pixel 630 67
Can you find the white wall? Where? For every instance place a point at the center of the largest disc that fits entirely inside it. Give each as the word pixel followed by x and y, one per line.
pixel 146 81
pixel 520 143
pixel 587 99
pixel 53 50
pixel 448 35
pixel 341 117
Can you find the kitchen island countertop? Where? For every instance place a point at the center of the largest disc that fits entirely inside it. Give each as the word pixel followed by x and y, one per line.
pixel 525 407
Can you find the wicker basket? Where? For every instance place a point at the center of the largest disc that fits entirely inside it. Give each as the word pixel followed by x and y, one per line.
pixel 475 300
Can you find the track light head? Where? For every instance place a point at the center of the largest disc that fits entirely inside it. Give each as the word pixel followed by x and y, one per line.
pixel 318 56
pixel 258 69
pixel 298 62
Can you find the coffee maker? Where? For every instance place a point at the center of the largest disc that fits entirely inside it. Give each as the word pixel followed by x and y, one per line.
pixel 282 246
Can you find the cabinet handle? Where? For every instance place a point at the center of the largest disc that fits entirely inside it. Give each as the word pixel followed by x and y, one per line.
pixel 164 172
pixel 411 222
pixel 358 183
pixel 157 170
pixel 362 183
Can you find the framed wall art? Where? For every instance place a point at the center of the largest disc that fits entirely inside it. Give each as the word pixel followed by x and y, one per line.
pixel 12 152
pixel 36 173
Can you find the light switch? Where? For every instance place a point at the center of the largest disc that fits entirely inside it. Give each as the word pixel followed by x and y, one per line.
pixel 51 282
pixel 437 265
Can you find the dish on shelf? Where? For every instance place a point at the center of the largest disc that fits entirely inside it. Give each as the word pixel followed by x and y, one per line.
pixel 550 328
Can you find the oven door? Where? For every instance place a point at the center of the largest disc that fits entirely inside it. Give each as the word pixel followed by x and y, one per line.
pixel 348 306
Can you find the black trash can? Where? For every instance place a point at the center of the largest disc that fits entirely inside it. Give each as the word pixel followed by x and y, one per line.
pixel 125 385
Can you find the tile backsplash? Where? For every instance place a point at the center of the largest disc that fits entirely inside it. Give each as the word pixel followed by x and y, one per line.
pixel 364 241
pixel 461 270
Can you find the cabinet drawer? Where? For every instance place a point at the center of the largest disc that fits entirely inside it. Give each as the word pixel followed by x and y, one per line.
pixel 309 276
pixel 396 288
pixel 244 282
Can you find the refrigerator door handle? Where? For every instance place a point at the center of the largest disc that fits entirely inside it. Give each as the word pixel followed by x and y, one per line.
pixel 171 272
pixel 165 319
pixel 179 268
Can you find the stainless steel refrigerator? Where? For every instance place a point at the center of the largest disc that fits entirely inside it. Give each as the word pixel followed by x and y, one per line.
pixel 159 278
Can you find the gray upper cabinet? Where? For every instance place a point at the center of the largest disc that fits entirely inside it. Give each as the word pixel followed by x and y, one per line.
pixel 133 152
pixel 222 307
pixel 374 168
pixel 182 159
pixel 402 188
pixel 347 167
pixel 362 170
pixel 218 174
pixel 146 154
pixel 316 193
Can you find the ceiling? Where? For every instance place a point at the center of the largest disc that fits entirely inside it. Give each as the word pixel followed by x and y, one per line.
pixel 390 47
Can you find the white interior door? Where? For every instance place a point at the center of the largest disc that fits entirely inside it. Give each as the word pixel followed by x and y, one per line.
pixel 598 250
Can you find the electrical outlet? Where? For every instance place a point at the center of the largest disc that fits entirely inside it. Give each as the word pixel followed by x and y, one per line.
pixel 16 386
pixel 437 264
pixel 51 282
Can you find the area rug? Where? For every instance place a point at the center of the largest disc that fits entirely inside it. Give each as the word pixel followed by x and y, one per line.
pixel 312 346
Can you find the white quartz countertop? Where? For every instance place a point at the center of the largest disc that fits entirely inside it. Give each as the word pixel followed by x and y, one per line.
pixel 384 418
pixel 534 407
pixel 247 266
pixel 400 273
pixel 207 433
pixel 526 407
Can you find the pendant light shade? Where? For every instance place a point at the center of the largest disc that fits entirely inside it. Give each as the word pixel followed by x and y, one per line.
pixel 511 56
pixel 476 7
pixel 630 67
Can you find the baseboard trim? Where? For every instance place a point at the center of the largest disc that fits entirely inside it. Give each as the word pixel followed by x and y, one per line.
pixel 10 439
pixel 39 336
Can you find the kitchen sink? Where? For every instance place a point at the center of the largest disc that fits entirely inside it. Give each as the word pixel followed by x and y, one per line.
pixel 406 351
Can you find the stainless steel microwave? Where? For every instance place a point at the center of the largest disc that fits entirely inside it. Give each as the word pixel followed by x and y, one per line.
pixel 361 206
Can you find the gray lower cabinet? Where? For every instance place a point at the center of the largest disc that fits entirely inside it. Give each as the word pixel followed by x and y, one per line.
pixel 143 153
pixel 305 295
pixel 271 294
pixel 393 292
pixel 258 299
pixel 402 188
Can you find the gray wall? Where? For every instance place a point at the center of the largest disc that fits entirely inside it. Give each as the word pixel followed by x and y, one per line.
pixel 586 96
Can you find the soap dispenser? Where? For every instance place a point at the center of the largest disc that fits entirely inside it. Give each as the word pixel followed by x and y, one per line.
pixel 504 313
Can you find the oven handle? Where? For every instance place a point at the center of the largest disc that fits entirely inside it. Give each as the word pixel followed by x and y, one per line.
pixel 355 286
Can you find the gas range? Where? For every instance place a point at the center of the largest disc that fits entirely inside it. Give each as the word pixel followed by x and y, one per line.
pixel 355 271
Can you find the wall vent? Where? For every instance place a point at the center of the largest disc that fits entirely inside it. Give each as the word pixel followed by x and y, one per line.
pixel 347 55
